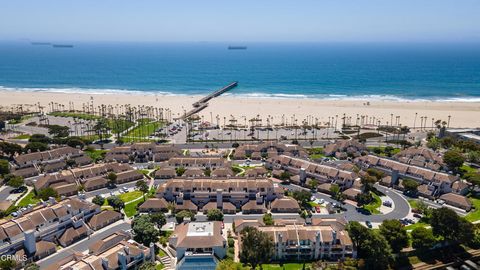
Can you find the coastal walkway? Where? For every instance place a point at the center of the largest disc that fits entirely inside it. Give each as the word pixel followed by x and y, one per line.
pixel 203 102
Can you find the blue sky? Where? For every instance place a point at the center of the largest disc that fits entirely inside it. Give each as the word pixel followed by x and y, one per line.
pixel 246 20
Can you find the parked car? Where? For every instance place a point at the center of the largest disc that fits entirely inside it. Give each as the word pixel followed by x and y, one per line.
pixel 387 203
pixel 417 215
pixel 369 224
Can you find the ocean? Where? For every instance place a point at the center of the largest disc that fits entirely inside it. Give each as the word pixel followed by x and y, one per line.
pixel 446 72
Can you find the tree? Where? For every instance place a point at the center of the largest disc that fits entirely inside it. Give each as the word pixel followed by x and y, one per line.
pixel 357 233
pixel 46 193
pixel 422 238
pixel 35 147
pixel 180 171
pixel 98 200
pixel 39 138
pixel 14 181
pixel 336 194
pixel 284 176
pixel 147 265
pixel 142 186
pixel 115 202
pixel 207 172
pixel 312 184
pixel 144 230
pixel 229 264
pixel 302 196
pixel 454 159
pixel 447 224
pixel 7 264
pixel 32 266
pixel 180 216
pixel 4 167
pixel 364 198
pixel 10 148
pixel 257 247
pixel 368 181
pixel 268 219
pixel 112 178
pixel 376 251
pixel 410 185
pixel 58 131
pixel 75 142
pixel 395 234
pixel 159 219
pixel 433 143
pixel 214 215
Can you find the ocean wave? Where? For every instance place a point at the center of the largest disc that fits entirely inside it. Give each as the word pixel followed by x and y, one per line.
pixel 253 95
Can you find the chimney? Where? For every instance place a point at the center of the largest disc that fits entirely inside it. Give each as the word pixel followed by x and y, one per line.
pixel 105 263
pixel 29 243
pixel 52 200
pixel 122 259
pixel 180 198
pixel 259 198
pixel 394 177
pixel 303 176
pixel 152 252
pixel 219 198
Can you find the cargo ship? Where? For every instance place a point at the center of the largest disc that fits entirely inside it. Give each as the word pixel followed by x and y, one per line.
pixel 62 46
pixel 237 47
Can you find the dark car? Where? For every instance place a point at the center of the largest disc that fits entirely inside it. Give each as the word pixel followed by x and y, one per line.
pixel 369 224
pixel 18 190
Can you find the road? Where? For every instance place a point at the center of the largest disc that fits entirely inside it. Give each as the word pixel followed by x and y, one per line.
pixel 83 244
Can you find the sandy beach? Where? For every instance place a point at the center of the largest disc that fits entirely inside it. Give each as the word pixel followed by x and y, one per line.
pixel 463 114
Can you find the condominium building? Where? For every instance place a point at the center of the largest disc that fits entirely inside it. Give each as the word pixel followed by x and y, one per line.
pixel 195 242
pixel 325 239
pixel 194 194
pixel 307 169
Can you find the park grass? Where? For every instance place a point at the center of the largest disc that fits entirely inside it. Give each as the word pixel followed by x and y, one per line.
pixel 373 206
pixel 22 137
pixel 474 215
pixel 119 125
pixel 83 116
pixel 29 199
pixel 131 208
pixel 413 203
pixel 130 196
pixel 416 225
pixel 144 129
pixel 286 266
pixel 95 154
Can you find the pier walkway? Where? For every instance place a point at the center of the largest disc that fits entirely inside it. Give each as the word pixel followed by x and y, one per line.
pixel 203 103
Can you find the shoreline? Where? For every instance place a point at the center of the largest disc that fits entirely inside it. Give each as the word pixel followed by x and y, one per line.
pixel 253 95
pixel 463 114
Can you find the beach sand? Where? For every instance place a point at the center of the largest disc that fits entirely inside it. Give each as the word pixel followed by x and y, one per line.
pixel 463 114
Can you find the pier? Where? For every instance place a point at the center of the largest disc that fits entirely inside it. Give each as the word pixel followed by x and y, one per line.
pixel 203 103
pixel 215 94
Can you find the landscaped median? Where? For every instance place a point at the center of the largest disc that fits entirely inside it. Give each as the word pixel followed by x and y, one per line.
pixel 374 205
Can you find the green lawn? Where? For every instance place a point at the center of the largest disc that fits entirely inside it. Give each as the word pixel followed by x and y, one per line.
pixel 416 225
pixel 96 154
pixel 161 253
pixel 29 199
pixel 373 206
pixel 119 125
pixel 286 266
pixel 131 208
pixel 468 169
pixel 413 203
pixel 22 137
pixel 144 129
pixel 159 266
pixel 474 215
pixel 83 116
pixel 130 196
